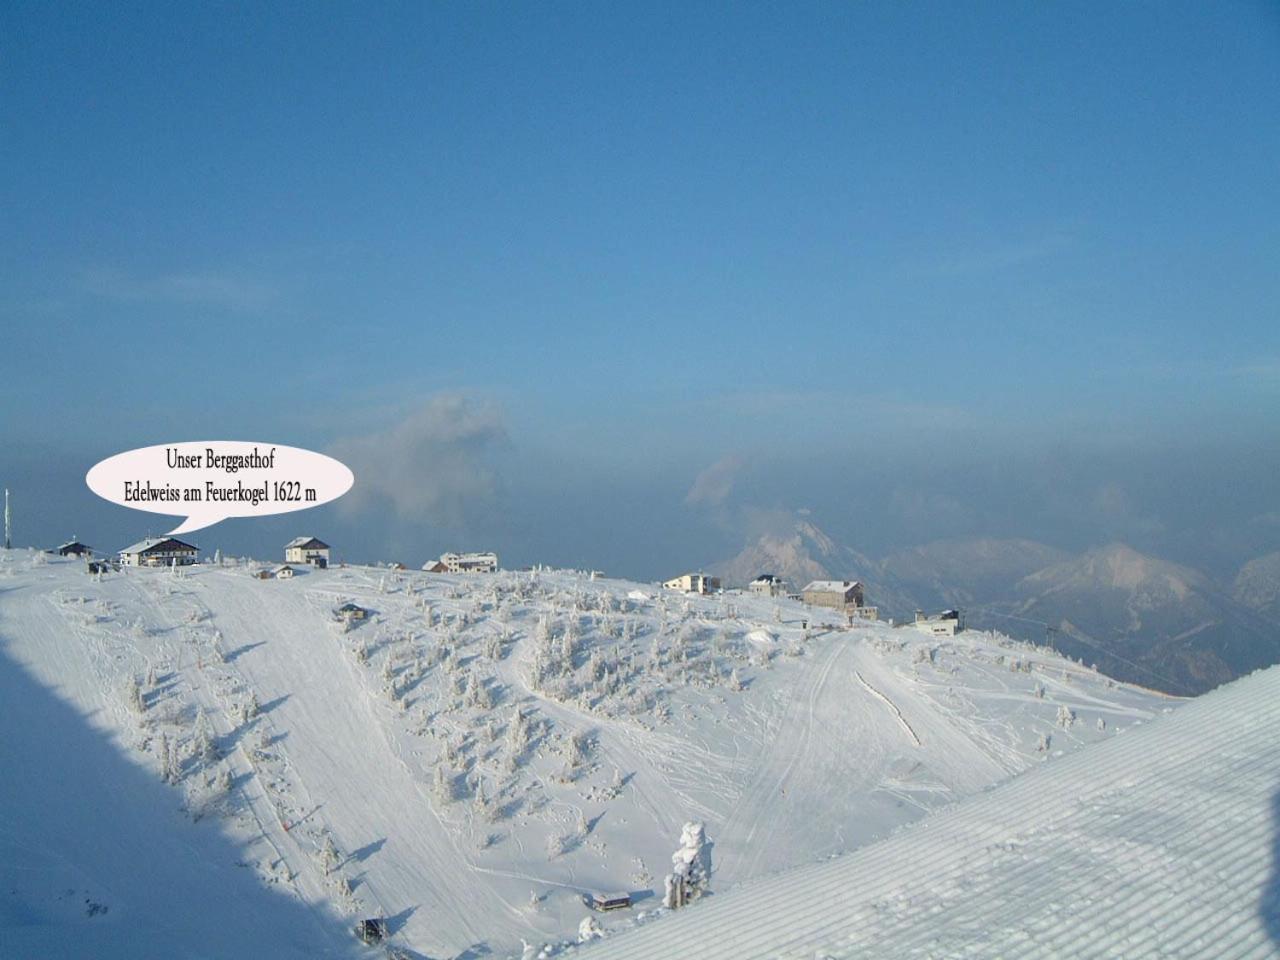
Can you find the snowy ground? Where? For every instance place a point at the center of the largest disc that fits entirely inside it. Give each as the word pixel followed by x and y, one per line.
pixel 473 758
pixel 1162 843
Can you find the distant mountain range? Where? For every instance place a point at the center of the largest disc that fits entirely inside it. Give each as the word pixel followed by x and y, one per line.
pixel 806 553
pixel 1257 585
pixel 1139 618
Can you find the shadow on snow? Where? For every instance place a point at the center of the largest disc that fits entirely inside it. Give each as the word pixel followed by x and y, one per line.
pixel 83 823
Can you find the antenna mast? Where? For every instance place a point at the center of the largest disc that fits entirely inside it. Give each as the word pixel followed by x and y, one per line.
pixel 6 518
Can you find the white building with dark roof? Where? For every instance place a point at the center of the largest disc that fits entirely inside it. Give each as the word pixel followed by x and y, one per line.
pixel 159 552
pixel 311 550
pixel 469 562
pixel 945 624
pixel 769 585
pixel 693 583
pixel 74 548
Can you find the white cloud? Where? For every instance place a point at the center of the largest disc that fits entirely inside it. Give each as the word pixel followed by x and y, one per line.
pixel 433 466
pixel 210 288
pixel 714 484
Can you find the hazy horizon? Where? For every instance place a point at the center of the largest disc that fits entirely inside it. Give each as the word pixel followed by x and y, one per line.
pixel 619 289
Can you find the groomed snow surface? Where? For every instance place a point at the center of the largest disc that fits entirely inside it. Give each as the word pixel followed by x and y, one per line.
pixel 211 765
pixel 1159 843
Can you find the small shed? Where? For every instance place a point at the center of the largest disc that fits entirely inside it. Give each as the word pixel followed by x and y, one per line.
pixel 610 901
pixel 371 930
pixel 351 611
pixel 435 566
pixel 282 572
pixel 74 548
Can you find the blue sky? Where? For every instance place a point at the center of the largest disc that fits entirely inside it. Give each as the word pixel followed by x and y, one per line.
pixel 808 240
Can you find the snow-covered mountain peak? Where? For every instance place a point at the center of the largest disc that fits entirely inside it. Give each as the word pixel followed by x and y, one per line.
pixel 1118 566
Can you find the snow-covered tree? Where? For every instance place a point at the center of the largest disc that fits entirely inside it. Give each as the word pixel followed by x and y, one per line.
pixel 170 768
pixel 443 784
pixel 133 696
pixel 589 929
pixel 206 748
pixel 517 733
pixel 328 854
pixel 691 874
pixel 557 844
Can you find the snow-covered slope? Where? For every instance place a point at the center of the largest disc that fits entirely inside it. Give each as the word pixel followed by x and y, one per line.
pixel 473 757
pixel 1164 842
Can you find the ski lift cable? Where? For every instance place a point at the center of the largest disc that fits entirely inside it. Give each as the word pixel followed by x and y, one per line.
pixel 1089 643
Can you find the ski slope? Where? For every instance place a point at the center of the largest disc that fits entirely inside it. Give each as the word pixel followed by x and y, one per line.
pixel 1164 842
pixel 473 758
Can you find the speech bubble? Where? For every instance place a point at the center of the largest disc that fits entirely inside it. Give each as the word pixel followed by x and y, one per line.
pixel 210 480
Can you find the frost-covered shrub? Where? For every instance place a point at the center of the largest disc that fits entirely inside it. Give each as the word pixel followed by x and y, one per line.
pixel 557 844
pixel 204 745
pixel 328 855
pixel 133 696
pixel 443 785
pixel 170 767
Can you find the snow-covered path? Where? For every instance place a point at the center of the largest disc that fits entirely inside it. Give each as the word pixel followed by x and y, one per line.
pixel 335 732
pixel 1162 842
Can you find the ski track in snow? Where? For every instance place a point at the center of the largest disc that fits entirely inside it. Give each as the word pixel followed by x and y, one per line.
pixel 1158 843
pixel 891 705
pixel 837 740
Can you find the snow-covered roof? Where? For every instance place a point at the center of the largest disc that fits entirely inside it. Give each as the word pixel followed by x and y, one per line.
pixel 150 542
pixel 831 586
pixel 314 542
pixel 767 578
pixel 1156 843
